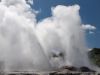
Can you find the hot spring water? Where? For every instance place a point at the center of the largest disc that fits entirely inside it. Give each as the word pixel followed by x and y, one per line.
pixel 26 45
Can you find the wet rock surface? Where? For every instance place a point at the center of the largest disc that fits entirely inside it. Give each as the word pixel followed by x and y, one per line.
pixel 71 70
pixel 66 70
pixel 75 69
pixel 85 69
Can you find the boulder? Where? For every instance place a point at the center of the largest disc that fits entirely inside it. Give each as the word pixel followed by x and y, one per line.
pixel 86 69
pixel 70 68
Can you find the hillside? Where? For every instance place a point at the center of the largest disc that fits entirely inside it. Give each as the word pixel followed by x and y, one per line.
pixel 94 55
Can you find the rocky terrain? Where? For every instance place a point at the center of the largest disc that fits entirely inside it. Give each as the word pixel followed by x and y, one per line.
pixel 66 70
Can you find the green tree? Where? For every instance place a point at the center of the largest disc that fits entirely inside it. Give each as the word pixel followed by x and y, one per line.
pixel 94 55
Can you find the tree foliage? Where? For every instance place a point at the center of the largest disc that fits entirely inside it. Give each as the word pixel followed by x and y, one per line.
pixel 94 55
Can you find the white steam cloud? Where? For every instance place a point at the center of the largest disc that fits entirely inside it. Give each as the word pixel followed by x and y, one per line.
pixel 19 48
pixel 62 33
pixel 47 45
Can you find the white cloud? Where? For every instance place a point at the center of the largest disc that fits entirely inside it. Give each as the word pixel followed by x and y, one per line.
pixel 91 32
pixel 88 27
pixel 30 2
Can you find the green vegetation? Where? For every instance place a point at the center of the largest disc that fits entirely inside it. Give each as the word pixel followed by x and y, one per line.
pixel 94 55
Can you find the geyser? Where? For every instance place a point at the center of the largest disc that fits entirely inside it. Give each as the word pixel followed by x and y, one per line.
pixel 63 33
pixel 44 46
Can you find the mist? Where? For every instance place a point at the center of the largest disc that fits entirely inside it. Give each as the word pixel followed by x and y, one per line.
pixel 47 45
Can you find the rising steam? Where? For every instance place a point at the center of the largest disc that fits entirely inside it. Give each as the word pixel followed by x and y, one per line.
pixel 47 45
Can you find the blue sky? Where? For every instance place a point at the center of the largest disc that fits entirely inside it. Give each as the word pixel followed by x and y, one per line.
pixel 89 12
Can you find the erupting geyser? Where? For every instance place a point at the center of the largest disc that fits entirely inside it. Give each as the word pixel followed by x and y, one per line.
pixel 44 46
